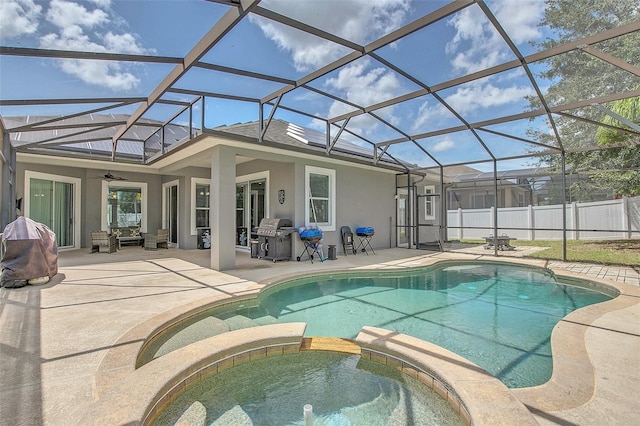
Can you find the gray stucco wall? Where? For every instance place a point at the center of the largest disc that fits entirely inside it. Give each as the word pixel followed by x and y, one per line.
pixel 90 193
pixel 363 197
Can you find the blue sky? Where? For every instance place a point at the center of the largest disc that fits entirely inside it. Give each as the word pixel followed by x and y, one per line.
pixel 461 44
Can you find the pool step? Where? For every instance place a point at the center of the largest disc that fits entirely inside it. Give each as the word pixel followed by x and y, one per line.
pixel 206 327
pixel 335 344
pixel 266 320
pixel 238 322
pixel 381 404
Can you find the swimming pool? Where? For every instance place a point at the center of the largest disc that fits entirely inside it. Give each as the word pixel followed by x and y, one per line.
pixel 497 315
pixel 342 389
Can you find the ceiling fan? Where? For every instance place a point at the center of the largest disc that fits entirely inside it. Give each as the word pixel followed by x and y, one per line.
pixel 110 177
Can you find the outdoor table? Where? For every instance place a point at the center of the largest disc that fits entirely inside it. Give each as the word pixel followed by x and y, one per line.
pixel 502 242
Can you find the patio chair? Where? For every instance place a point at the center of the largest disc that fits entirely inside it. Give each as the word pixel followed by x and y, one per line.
pixel 160 239
pixel 103 242
pixel 347 240
pixel 163 238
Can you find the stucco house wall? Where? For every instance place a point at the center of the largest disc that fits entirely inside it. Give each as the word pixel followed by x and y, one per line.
pixel 90 194
pixel 363 197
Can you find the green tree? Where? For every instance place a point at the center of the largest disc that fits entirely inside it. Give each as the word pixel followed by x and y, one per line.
pixel 578 75
pixel 623 152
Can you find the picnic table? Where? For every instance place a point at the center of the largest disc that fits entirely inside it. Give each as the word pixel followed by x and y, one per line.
pixel 501 241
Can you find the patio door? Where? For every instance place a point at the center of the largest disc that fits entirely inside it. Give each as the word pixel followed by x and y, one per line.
pixel 170 210
pixel 54 201
pixel 404 218
pixel 251 206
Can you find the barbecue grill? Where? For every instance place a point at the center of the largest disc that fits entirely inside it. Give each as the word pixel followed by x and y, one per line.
pixel 312 239
pixel 274 239
pixel 365 233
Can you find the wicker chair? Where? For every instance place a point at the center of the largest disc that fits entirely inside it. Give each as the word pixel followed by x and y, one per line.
pixel 103 242
pixel 161 239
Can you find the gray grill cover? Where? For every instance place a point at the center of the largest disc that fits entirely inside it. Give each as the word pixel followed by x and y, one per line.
pixel 30 252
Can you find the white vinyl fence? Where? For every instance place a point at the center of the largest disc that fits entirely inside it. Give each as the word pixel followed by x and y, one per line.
pixel 613 219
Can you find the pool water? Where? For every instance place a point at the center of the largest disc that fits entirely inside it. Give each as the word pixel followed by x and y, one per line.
pixel 496 315
pixel 343 390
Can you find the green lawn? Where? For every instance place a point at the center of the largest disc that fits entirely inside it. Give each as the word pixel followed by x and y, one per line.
pixel 612 252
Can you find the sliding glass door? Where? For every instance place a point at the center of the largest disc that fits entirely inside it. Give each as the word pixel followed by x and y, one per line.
pixel 170 210
pixel 53 201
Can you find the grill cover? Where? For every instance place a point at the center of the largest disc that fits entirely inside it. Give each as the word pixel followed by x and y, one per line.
pixel 31 252
pixel 365 231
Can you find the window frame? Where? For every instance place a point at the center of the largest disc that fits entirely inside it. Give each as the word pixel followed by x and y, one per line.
pixel 143 202
pixel 194 183
pixel 331 174
pixel 428 202
pixel 77 200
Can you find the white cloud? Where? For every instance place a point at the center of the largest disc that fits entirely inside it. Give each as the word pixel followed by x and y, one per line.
pixel 18 18
pixel 123 43
pixel 520 18
pixel 111 75
pixel 359 21
pixel 74 26
pixel 427 113
pixel 65 13
pixel 477 45
pixel 364 85
pixel 471 97
pixel 444 145
pixel 306 51
pixel 105 4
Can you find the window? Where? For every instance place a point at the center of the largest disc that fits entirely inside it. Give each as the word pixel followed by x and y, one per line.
pixel 320 191
pixel 200 204
pixel 124 204
pixel 429 212
pixel 483 201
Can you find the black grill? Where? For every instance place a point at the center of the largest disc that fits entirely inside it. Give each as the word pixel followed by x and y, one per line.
pixel 274 239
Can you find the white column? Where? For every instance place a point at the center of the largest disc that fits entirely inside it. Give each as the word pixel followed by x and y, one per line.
pixel 222 215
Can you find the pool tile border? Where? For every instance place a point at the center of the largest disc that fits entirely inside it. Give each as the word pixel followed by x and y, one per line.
pixel 456 379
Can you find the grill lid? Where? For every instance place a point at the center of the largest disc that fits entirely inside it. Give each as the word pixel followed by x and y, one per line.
pixel 269 226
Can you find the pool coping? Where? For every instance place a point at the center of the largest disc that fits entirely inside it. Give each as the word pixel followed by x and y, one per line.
pixel 572 382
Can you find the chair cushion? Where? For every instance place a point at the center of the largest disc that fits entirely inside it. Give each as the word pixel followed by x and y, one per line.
pixel 135 232
pixel 117 232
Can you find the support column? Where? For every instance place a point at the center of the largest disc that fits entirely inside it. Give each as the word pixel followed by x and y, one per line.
pixel 222 215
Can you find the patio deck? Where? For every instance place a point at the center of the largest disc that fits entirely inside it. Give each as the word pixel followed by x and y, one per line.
pixel 54 337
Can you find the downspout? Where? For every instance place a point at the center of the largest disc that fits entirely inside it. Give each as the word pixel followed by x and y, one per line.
pixel 495 208
pixel 416 220
pixel 443 207
pixel 407 220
